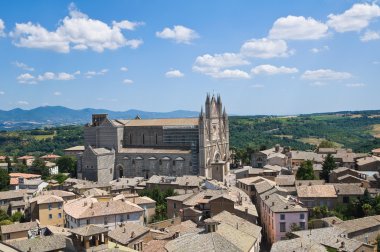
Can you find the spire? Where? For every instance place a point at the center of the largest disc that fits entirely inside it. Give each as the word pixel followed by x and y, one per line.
pixel 208 98
pixel 201 115
pixel 219 100
pixel 224 112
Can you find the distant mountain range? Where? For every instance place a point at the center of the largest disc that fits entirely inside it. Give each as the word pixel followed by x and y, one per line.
pixel 58 115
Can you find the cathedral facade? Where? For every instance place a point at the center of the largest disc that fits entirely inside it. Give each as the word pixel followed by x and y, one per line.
pixel 146 147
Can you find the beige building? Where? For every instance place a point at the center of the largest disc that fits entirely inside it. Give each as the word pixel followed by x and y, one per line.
pixel 17 231
pixel 48 210
pixel 317 195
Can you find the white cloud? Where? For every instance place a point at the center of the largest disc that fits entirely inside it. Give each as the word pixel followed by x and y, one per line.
pixel 324 75
pixel 127 25
pixel 23 66
pixel 26 78
pixel 2 93
pixel 57 93
pixel 127 81
pixel 298 28
pixel 2 27
pixel 318 50
pixel 215 65
pixel 370 35
pixel 179 34
pixel 55 76
pixel 124 69
pixel 91 74
pixel 271 70
pixel 23 103
pixel 76 31
pixel 318 84
pixel 265 48
pixel 355 85
pixel 77 72
pixel 174 74
pixel 354 19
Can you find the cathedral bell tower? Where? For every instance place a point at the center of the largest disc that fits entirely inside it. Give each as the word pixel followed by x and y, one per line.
pixel 214 139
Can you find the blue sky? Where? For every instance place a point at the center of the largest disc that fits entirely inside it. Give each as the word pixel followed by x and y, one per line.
pixel 263 57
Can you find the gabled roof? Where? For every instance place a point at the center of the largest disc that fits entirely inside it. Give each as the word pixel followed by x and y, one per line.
pixel 128 232
pixel 316 191
pixel 45 199
pixel 18 227
pixel 43 244
pixel 89 230
pixel 160 122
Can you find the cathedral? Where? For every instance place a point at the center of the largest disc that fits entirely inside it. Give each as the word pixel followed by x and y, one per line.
pixel 145 147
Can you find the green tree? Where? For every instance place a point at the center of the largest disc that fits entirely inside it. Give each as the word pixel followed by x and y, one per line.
pixel 327 166
pixel 4 180
pixel 67 164
pixel 367 209
pixel 3 215
pixel 305 171
pixel 40 167
pixel 17 217
pixel 5 222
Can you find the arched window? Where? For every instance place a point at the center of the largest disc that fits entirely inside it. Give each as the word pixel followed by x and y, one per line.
pixel 156 139
pixel 130 138
pixel 143 139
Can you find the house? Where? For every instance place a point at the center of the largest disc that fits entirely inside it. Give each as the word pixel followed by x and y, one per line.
pixel 317 195
pixel 17 207
pixel 47 209
pixel 368 163
pixel 106 213
pixel 44 243
pixel 15 179
pixel 225 233
pixel 321 239
pixel 376 152
pixel 348 192
pixel 253 186
pixel 53 167
pixel 17 231
pixel 125 185
pixel 74 151
pixel 80 186
pixel 50 157
pixel 346 175
pixel 298 157
pixel 27 160
pixel 186 182
pixel 279 214
pixel 130 235
pixel 13 195
pixel 275 156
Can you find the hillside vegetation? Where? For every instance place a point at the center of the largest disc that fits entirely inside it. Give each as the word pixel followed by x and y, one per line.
pixel 358 131
pixel 355 131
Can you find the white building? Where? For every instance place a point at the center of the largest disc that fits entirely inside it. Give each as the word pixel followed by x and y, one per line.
pixel 106 213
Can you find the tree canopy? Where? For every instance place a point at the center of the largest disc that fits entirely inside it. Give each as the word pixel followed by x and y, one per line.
pixel 4 180
pixel 327 166
pixel 305 171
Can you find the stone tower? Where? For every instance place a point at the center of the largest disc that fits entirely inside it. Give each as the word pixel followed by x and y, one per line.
pixel 213 139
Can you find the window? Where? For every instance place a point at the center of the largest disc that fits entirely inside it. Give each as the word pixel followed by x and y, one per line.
pixel 127 216
pixel 49 206
pixel 282 216
pixel 302 225
pixel 302 216
pixel 88 221
pixel 156 139
pixel 59 215
pixel 143 139
pixel 50 216
pixel 346 199
pixel 110 170
pixel 174 205
pixel 282 226
pixel 59 205
pixel 105 221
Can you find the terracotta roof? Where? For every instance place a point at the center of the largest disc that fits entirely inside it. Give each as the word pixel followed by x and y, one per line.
pixel 316 191
pixel 141 200
pixel 43 244
pixel 280 204
pixel 367 160
pixel 95 192
pixel 89 230
pixel 18 227
pixel 160 122
pixel 306 155
pixel 127 233
pixel 348 189
pixel 59 193
pixel 50 156
pixel 12 194
pixel 309 182
pixel 376 150
pixel 45 199
pixel 24 175
pixel 25 157
pixel 156 246
pixel 285 180
pixel 90 207
pixel 298 245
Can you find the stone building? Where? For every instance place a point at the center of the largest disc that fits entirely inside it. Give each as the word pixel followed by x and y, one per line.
pixel 172 147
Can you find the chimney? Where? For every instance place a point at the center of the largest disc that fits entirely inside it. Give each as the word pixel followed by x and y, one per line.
pixel 124 230
pixel 92 204
pixel 108 203
pixel 272 203
pixel 246 210
pixel 132 234
pixel 237 225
